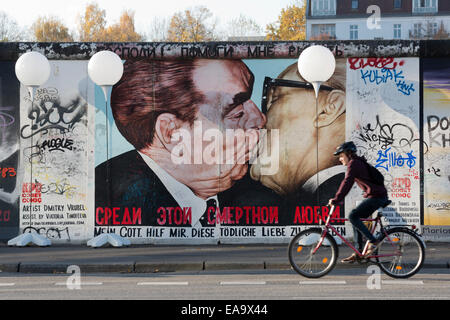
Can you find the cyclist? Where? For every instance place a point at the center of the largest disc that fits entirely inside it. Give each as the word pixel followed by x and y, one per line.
pixel 375 194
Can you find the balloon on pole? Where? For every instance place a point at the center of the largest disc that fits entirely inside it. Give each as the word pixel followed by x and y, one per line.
pixel 316 65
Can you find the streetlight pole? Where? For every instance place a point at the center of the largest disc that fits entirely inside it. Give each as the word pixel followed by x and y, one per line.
pixel 105 68
pixel 32 70
pixel 316 65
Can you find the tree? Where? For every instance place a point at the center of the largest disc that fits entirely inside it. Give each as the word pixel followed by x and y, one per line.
pixel 158 30
pixel 91 25
pixel 192 26
pixel 50 29
pixel 441 33
pixel 9 29
pixel 429 30
pixel 291 24
pixel 124 30
pixel 243 27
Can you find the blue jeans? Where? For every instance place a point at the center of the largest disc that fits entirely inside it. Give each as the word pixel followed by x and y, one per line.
pixel 362 211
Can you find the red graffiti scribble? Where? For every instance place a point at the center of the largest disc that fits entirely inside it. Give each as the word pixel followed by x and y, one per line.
pixel 5 215
pixel 380 63
pixel 11 172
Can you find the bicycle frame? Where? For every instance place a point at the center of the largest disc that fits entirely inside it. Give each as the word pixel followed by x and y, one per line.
pixel 329 227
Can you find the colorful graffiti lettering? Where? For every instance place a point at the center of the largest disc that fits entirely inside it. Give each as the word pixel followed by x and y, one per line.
pixel 10 171
pixel 60 187
pixel 5 215
pixel 388 159
pixel 405 88
pixel 381 76
pixel 31 192
pixel 385 76
pixel 380 63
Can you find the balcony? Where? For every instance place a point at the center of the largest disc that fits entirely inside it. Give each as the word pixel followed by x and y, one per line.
pixel 425 6
pixel 323 8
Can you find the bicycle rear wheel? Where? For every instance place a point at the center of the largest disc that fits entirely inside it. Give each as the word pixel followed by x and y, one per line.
pixel 310 258
pixel 400 253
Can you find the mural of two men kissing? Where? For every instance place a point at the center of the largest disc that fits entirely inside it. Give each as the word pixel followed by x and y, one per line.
pixel 207 163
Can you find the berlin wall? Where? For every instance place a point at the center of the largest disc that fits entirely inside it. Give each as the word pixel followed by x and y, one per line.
pixel 220 142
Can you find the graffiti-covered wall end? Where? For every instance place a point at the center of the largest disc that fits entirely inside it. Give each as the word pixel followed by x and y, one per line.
pixel 224 142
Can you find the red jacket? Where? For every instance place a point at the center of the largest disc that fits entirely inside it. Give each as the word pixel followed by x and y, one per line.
pixel 357 171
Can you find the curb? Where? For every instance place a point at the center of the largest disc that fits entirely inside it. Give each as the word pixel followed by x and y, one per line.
pixel 9 267
pixel 145 267
pixel 217 266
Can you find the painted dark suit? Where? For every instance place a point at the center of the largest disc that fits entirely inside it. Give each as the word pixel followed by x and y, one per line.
pixel 133 184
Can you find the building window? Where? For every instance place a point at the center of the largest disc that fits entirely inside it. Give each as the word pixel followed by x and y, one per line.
pixel 323 31
pixel 354 4
pixel 432 28
pixel 323 7
pixel 397 4
pixel 425 6
pixel 417 33
pixel 397 31
pixel 353 32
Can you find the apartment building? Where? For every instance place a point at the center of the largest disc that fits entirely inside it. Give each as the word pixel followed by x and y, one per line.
pixel 377 19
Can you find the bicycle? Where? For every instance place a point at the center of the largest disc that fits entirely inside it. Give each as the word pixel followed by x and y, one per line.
pixel 400 252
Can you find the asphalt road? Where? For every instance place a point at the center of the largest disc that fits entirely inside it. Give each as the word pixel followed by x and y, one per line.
pixel 257 285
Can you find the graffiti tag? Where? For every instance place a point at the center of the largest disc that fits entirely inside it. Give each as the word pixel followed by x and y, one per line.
pixel 435 171
pixel 52 115
pixel 387 135
pixel 380 63
pixel 10 172
pixel 388 159
pixel 441 124
pixel 387 75
pixel 5 121
pixel 57 144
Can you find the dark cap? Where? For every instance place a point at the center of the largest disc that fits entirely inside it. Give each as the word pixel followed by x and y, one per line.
pixel 348 146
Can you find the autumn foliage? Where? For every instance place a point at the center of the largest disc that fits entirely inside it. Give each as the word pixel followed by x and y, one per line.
pixel 191 25
pixel 50 29
pixel 92 26
pixel 291 24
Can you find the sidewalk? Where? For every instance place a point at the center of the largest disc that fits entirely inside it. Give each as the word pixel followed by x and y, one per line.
pixel 152 258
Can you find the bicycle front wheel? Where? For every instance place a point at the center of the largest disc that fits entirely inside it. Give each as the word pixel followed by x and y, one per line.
pixel 400 253
pixel 310 255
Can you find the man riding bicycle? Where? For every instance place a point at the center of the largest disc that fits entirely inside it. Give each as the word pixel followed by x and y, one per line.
pixel 375 194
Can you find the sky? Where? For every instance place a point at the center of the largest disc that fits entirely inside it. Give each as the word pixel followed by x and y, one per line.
pixel 25 12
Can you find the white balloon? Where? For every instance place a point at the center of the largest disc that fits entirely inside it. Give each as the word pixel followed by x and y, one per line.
pixel 105 68
pixel 32 69
pixel 316 64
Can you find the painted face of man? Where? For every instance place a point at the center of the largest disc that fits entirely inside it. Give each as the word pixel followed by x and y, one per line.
pixel 292 111
pixel 217 147
pixel 227 87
